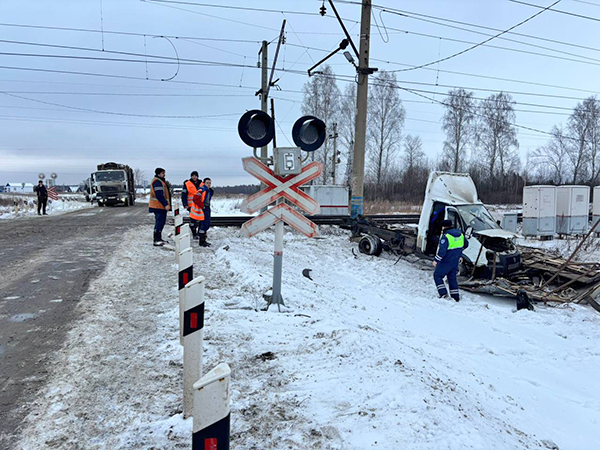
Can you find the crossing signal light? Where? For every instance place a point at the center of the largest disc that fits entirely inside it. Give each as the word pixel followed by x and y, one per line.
pixel 256 128
pixel 309 133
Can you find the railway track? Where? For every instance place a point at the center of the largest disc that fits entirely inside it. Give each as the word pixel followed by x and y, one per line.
pixel 238 221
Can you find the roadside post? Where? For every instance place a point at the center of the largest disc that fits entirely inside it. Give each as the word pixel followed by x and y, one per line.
pixel 212 418
pixel 186 274
pixel 257 129
pixel 193 324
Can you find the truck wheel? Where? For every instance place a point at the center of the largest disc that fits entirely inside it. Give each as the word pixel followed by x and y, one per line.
pixel 464 268
pixel 126 202
pixel 370 245
pixel 100 204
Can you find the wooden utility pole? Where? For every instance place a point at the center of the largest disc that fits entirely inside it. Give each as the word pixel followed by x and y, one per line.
pixel 358 169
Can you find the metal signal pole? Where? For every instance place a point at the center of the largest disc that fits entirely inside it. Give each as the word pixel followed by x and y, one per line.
pixel 264 65
pixel 334 158
pixel 358 169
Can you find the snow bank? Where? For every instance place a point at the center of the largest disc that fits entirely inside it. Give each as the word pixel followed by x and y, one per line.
pixel 28 208
pixel 364 356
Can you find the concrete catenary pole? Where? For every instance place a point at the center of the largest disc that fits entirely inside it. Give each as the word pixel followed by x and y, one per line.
pixel 264 65
pixel 358 169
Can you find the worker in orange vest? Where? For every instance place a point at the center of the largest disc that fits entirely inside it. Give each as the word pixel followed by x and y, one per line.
pixel 160 203
pixel 197 214
pixel 190 188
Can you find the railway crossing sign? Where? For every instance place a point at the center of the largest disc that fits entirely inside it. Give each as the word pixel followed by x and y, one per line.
pixel 278 187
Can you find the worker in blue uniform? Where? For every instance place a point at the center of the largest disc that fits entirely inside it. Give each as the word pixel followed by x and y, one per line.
pixel 452 244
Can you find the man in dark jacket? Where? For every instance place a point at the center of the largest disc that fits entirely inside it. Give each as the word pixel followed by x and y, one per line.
pixel 42 196
pixel 205 224
pixel 452 244
pixel 159 204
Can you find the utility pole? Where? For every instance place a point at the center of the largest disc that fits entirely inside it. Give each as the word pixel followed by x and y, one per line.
pixel 334 158
pixel 358 169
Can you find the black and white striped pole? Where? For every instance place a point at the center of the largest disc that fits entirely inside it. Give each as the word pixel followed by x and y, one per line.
pixel 211 428
pixel 186 274
pixel 193 323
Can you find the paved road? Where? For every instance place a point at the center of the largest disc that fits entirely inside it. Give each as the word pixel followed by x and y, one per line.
pixel 46 265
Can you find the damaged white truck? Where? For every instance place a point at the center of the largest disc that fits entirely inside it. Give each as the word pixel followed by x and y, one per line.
pixel 492 251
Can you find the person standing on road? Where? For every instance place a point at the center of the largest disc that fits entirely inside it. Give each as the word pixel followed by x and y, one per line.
pixel 42 197
pixel 160 203
pixel 205 224
pixel 452 244
pixel 190 188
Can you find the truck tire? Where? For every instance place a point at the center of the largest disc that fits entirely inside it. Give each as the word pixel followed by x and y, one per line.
pixel 370 245
pixel 126 202
pixel 100 204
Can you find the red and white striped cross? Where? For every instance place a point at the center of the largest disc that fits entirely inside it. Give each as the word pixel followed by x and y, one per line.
pixel 52 193
pixel 278 186
pixel 279 212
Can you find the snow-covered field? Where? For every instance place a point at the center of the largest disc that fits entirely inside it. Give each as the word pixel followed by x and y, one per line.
pixel 27 207
pixel 363 356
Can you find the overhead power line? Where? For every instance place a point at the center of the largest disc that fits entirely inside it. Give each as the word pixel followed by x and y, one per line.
pixel 560 11
pixel 462 52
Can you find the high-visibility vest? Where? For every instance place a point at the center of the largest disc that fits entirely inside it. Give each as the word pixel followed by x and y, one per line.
pixel 154 203
pixel 191 189
pixel 196 212
pixel 455 242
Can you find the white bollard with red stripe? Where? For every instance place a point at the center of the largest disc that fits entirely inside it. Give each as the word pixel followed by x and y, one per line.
pixel 212 396
pixel 193 324
pixel 186 274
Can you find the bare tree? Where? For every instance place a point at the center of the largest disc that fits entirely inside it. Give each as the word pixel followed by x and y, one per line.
pixel 458 123
pixel 578 129
pixel 346 128
pixel 138 177
pixel 385 121
pixel 497 135
pixel 551 160
pixel 322 100
pixel 591 105
pixel 413 152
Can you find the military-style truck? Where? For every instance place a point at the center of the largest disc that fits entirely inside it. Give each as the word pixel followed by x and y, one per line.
pixel 113 184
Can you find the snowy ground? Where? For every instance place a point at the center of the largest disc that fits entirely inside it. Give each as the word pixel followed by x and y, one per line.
pixel 364 356
pixel 27 207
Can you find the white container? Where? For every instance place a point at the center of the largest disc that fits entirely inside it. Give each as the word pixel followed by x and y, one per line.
pixel 572 209
pixel 539 210
pixel 333 199
pixel 596 208
pixel 509 222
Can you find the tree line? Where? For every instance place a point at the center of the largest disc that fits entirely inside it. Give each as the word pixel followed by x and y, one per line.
pixel 481 139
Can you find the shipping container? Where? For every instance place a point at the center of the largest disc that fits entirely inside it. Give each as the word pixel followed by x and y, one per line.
pixel 539 210
pixel 572 209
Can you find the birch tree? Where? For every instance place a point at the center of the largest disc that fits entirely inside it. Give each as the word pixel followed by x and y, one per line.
pixel 458 123
pixel 322 100
pixel 385 121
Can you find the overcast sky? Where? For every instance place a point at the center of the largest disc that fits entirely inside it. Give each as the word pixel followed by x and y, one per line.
pixel 55 118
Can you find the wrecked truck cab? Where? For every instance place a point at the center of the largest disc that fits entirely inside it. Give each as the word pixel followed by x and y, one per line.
pixel 453 196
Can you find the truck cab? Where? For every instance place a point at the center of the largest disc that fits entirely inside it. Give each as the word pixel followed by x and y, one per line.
pixel 453 196
pixel 113 184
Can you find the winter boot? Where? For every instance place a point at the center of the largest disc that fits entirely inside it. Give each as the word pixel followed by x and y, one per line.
pixel 202 240
pixel 158 242
pixel 205 237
